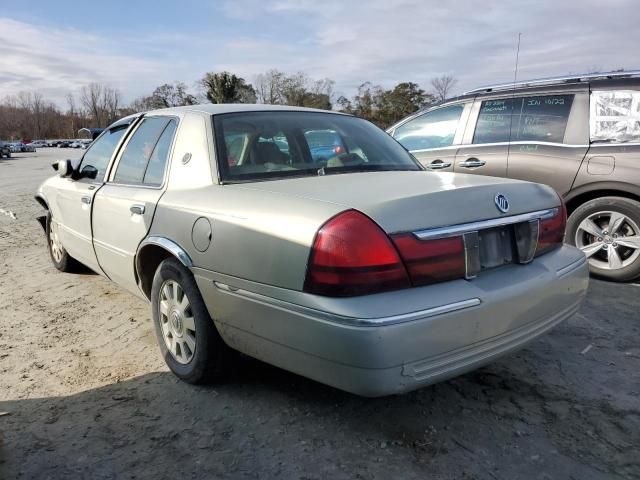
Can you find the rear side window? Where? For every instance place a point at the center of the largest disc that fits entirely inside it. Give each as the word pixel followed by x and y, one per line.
pixel 531 119
pixel 434 129
pixel 495 120
pixel 615 116
pixel 158 161
pixel 543 119
pixel 133 162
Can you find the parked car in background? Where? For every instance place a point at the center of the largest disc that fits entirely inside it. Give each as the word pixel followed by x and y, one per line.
pixel 579 134
pixel 76 144
pixel 28 147
pixel 63 144
pixel 5 150
pixel 362 271
pixel 86 144
pixel 15 147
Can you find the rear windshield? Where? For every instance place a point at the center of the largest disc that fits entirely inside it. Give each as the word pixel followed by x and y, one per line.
pixel 266 145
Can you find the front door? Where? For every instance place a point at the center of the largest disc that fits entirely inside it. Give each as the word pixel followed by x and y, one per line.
pixel 432 137
pixel 124 207
pixel 73 198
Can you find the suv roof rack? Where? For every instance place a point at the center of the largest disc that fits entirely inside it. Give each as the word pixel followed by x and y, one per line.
pixel 556 80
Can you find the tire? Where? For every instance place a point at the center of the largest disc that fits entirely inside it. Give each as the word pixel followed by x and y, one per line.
pixel 612 255
pixel 59 256
pixel 189 341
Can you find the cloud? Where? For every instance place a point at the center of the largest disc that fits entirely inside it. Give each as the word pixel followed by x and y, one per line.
pixel 347 40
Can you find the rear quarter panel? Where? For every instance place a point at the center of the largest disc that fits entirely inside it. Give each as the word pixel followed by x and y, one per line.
pixel 258 236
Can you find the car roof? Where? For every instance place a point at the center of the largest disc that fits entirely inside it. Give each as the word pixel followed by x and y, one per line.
pixel 220 108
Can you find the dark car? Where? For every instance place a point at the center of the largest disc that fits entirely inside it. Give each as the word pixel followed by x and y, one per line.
pixel 579 134
pixel 5 150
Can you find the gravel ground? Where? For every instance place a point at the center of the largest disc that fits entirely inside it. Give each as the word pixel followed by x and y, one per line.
pixel 88 396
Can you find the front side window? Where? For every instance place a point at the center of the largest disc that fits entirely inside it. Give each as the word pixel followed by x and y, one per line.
pixel 615 116
pixel 95 161
pixel 434 129
pixel 134 159
pixel 265 145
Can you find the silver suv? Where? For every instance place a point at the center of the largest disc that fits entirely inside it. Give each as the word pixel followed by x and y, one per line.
pixel 579 134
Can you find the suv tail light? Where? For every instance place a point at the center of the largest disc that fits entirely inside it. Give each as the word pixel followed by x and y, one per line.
pixel 551 230
pixel 431 261
pixel 352 255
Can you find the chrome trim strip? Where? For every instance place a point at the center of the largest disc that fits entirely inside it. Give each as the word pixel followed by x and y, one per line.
pixel 345 320
pixel 170 246
pixel 519 142
pixel 615 144
pixel 571 267
pixel 454 230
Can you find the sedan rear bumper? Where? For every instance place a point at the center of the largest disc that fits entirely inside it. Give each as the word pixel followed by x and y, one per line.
pixel 466 324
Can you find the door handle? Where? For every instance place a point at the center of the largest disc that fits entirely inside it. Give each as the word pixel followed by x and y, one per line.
pixel 137 209
pixel 86 200
pixel 472 163
pixel 438 165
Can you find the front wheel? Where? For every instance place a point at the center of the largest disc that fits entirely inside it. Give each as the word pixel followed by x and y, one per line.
pixel 59 255
pixel 189 342
pixel 607 230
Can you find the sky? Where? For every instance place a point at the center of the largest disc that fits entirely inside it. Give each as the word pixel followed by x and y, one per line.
pixel 56 47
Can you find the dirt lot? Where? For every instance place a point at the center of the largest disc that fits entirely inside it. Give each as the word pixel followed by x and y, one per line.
pixel 88 396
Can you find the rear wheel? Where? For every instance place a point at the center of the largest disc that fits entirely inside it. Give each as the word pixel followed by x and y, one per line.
pixel 607 230
pixel 59 256
pixel 188 339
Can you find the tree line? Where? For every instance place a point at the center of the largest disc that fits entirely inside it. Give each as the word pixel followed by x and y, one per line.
pixel 30 115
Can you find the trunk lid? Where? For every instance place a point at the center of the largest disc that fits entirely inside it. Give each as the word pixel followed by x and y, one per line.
pixel 407 201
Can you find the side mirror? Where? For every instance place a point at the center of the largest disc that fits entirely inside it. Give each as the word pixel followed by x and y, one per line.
pixel 89 171
pixel 63 167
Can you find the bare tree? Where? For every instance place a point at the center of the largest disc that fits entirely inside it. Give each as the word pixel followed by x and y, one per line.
pixel 442 86
pixel 101 102
pixel 269 87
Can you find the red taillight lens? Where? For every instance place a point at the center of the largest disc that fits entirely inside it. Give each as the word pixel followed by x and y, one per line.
pixel 431 261
pixel 352 255
pixel 551 232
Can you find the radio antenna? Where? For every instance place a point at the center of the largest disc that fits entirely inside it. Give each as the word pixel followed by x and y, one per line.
pixel 515 78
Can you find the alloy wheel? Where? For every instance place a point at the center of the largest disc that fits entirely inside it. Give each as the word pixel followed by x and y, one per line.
pixel 56 246
pixel 610 240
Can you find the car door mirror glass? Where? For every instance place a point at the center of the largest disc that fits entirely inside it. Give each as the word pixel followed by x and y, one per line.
pixel 89 171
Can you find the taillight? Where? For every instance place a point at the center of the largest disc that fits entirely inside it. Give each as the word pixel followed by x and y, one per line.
pixel 352 255
pixel 551 230
pixel 431 261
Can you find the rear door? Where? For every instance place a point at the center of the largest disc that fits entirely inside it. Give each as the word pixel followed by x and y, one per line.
pixel 550 138
pixel 432 137
pixel 485 144
pixel 125 205
pixel 73 198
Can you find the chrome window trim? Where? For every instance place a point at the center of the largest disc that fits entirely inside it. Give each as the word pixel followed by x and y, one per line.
pixel 461 229
pixel 525 142
pixel 344 320
pixel 615 144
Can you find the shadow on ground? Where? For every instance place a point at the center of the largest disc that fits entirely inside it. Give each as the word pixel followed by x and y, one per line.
pixel 545 413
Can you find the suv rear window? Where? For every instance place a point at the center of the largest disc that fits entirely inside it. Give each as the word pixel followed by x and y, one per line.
pixel 533 119
pixel 266 145
pixel 615 116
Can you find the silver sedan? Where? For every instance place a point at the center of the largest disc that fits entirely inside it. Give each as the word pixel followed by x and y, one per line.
pixel 313 241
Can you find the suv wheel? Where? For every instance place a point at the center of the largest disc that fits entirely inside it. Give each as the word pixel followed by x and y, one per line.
pixel 607 230
pixel 189 342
